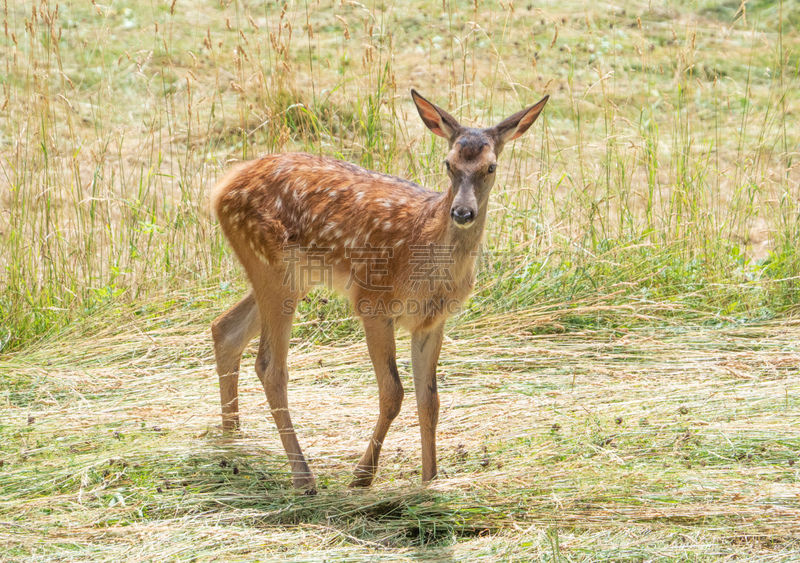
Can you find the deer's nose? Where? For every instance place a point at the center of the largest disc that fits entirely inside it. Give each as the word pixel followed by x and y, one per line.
pixel 462 215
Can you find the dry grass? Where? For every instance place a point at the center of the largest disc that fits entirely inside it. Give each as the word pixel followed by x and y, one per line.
pixel 665 444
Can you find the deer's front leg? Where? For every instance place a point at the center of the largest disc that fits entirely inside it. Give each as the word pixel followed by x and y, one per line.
pixel 425 348
pixel 380 343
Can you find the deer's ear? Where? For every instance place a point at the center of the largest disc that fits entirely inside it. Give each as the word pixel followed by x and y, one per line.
pixel 514 126
pixel 435 118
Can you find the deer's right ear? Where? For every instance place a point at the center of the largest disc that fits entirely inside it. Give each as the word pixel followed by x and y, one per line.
pixel 514 126
pixel 435 118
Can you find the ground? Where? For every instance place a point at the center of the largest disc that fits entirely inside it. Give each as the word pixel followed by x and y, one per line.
pixel 672 443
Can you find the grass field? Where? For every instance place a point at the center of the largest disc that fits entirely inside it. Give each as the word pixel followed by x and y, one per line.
pixel 622 386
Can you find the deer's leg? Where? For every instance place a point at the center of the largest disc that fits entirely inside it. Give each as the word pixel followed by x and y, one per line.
pixel 231 332
pixel 271 368
pixel 380 343
pixel 425 348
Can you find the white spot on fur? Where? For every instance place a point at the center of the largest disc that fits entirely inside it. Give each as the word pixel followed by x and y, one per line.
pixel 387 226
pixel 278 203
pixel 399 242
pixel 328 229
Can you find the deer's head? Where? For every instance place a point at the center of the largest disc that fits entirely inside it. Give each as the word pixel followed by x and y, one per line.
pixel 472 160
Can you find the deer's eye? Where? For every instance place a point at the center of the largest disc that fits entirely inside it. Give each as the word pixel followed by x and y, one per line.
pixel 492 168
pixel 447 164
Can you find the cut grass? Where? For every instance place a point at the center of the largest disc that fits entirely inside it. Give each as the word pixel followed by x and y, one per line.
pixel 675 443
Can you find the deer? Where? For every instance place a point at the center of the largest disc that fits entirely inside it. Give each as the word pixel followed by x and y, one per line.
pixel 403 255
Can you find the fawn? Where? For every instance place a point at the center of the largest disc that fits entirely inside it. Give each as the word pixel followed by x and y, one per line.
pixel 403 255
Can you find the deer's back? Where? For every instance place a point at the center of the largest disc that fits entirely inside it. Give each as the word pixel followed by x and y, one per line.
pixel 307 200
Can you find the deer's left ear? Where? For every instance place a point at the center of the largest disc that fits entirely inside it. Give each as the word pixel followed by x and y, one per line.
pixel 514 126
pixel 436 119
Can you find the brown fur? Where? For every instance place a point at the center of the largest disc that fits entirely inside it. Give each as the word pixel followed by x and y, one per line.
pixel 270 205
pixel 297 220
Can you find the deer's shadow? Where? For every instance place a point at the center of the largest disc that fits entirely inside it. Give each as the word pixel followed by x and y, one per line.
pixel 256 489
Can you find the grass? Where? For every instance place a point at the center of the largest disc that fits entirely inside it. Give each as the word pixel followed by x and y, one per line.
pixel 667 444
pixel 669 139
pixel 622 385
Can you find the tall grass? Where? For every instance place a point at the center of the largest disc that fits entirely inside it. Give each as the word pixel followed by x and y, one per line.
pixel 664 165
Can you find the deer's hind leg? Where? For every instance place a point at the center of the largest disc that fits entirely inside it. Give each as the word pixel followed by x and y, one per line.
pixel 276 304
pixel 231 332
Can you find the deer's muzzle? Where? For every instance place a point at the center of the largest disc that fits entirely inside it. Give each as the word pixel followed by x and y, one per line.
pixel 463 216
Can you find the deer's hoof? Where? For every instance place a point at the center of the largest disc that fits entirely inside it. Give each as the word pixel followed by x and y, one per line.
pixel 305 485
pixel 362 478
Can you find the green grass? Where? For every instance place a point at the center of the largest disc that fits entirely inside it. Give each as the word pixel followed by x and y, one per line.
pixel 640 262
pixel 670 140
